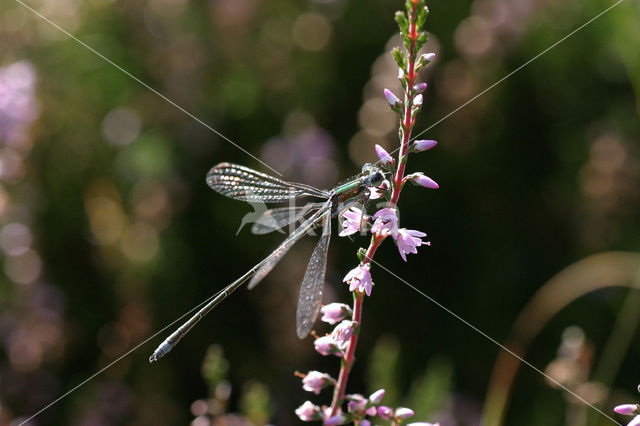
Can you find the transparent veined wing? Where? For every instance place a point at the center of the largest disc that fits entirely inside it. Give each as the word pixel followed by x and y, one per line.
pixel 281 217
pixel 313 282
pixel 245 184
pixel 284 247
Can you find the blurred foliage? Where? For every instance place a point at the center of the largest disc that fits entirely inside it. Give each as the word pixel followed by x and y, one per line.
pixel 254 400
pixel 427 394
pixel 108 232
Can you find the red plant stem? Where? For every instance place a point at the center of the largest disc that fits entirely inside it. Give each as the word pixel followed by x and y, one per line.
pixel 408 118
pixel 407 122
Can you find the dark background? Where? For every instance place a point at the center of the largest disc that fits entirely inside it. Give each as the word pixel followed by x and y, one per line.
pixel 109 232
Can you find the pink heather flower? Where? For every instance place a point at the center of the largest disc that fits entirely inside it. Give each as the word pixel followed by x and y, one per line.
pixel 375 193
pixel 351 220
pixel 365 422
pixel 335 420
pixel 403 413
pixel 386 222
pixel 627 409
pixel 423 424
pixel 335 312
pixel 359 278
pixel 408 240
pixel 326 346
pixel 357 404
pixel 371 411
pixel 420 87
pixel 376 397
pixel 423 145
pixel 314 381
pixel 417 101
pixel 342 333
pixel 385 412
pixel 383 155
pixel 391 98
pixel 422 180
pixel 308 412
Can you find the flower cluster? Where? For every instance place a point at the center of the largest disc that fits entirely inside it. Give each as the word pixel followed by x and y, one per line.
pixel 337 342
pixel 360 411
pixel 630 410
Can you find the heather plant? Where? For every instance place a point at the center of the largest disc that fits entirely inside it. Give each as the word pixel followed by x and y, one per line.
pixel 341 342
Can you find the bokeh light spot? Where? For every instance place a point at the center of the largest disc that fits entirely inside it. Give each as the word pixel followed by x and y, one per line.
pixel 140 242
pixel 311 31
pixel 24 268
pixel 121 126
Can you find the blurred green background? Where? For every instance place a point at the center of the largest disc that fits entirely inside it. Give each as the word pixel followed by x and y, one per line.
pixel 108 231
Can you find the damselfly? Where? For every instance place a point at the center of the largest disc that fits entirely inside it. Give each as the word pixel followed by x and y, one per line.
pixel 245 184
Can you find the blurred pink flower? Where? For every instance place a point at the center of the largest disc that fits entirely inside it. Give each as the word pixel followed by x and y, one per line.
pixel 308 412
pixel 335 312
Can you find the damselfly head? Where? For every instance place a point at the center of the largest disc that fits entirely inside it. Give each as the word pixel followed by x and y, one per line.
pixel 373 174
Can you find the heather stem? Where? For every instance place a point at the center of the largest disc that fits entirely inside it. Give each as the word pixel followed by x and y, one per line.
pixel 398 182
pixel 407 122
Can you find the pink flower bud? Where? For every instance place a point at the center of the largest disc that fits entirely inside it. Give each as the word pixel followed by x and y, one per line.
pixel 423 180
pixel 326 346
pixel 634 422
pixel 335 312
pixel 385 412
pixel 423 145
pixel 403 413
pixel 427 57
pixel 423 424
pixel 376 397
pixel 308 412
pixel 357 404
pixel 420 87
pixel 365 422
pixel 417 101
pixel 383 155
pixel 314 381
pixel 391 98
pixel 627 409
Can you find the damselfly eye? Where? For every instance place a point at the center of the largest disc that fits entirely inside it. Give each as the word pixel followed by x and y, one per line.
pixel 376 179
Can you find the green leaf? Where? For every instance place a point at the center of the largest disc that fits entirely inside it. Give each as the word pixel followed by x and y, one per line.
pixel 402 21
pixel 422 17
pixel 399 57
pixel 422 39
pixel 362 252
